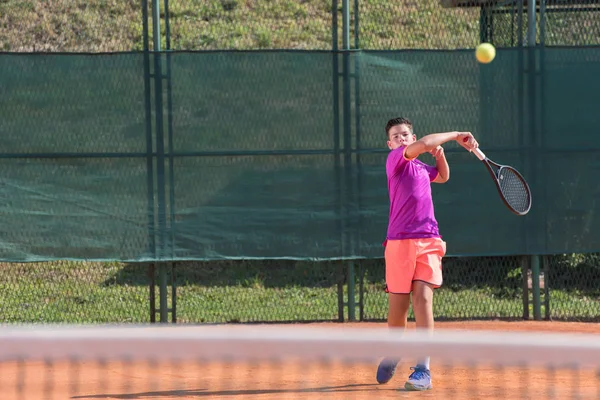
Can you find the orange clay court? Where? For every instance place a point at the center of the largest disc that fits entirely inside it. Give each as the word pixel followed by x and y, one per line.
pixel 136 380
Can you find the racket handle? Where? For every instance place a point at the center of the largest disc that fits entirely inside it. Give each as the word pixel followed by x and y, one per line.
pixel 479 154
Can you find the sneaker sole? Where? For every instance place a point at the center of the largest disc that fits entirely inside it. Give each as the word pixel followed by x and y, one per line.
pixel 384 381
pixel 409 386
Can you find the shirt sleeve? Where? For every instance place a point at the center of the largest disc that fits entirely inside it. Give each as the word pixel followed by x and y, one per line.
pixel 395 160
pixel 432 171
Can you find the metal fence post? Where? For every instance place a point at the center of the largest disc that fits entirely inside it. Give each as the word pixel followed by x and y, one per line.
pixel 348 150
pixel 359 170
pixel 336 149
pixel 149 157
pixel 160 158
pixel 535 287
pixel 524 272
pixel 170 146
pixel 532 68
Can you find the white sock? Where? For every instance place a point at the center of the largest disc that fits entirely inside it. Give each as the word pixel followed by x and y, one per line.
pixel 423 363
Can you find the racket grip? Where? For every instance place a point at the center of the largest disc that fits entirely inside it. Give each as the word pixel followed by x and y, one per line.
pixel 479 154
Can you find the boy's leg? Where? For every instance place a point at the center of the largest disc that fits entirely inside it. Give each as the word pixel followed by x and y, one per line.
pixel 398 310
pixel 397 317
pixel 428 276
pixel 422 300
pixel 399 270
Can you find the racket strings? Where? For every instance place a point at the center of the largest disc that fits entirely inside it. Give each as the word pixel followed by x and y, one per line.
pixel 514 190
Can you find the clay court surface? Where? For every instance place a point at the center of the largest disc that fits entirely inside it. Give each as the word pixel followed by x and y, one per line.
pixel 136 380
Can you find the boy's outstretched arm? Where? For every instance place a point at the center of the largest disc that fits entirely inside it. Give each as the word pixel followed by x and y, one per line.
pixel 430 142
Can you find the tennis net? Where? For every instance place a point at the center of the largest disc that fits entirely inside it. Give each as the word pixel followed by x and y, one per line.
pixel 289 362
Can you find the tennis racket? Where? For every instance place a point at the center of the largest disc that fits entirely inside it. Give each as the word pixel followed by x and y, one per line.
pixel 512 187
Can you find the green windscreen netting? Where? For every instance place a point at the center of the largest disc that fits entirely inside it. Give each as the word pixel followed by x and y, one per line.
pixel 74 171
pixel 259 162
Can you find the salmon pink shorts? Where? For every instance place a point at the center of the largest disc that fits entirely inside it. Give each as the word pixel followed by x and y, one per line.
pixel 410 260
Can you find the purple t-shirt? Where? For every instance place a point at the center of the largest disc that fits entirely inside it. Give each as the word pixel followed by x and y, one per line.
pixel 411 206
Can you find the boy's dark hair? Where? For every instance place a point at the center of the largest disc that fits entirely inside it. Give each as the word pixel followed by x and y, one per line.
pixel 397 121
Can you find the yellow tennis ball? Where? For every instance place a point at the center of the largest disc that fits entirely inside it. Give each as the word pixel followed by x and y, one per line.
pixel 485 53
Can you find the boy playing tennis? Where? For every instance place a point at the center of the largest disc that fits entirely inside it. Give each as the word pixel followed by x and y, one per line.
pixel 414 247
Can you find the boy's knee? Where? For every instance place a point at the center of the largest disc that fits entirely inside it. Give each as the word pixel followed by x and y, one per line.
pixel 422 298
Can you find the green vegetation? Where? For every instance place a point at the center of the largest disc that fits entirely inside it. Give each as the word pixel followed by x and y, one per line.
pixel 259 291
pixel 112 25
pixel 70 25
pixel 115 25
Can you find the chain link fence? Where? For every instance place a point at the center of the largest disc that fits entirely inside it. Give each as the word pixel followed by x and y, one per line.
pixel 237 24
pixel 74 292
pixel 564 23
pixel 282 290
pixel 70 26
pixel 117 26
pixel 291 291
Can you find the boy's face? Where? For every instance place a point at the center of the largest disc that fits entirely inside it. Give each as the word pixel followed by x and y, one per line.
pixel 400 135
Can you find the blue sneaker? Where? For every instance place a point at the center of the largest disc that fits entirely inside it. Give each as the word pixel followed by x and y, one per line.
pixel 386 370
pixel 419 380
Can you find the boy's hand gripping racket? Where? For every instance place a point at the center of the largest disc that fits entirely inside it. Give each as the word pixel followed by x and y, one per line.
pixel 514 190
